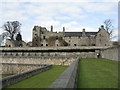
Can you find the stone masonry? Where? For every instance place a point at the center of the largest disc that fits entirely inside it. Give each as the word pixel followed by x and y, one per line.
pixel 43 37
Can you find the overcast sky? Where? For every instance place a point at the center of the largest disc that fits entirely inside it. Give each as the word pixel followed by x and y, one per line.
pixel 73 15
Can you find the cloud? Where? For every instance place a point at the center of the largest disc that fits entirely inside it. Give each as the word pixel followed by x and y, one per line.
pixel 72 15
pixel 61 0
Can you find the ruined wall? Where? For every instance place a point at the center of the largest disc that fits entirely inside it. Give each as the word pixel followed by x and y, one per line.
pixel 111 53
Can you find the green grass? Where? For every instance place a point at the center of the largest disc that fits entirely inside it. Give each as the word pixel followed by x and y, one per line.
pixel 98 73
pixel 41 80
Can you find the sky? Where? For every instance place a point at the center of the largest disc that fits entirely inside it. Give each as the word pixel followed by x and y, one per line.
pixel 73 15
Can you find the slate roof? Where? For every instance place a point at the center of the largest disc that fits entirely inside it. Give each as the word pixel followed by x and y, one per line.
pixel 79 34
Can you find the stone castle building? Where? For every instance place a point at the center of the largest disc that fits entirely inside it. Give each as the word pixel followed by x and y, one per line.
pixel 44 37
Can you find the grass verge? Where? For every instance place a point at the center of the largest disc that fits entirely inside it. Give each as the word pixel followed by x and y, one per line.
pixel 98 73
pixel 41 80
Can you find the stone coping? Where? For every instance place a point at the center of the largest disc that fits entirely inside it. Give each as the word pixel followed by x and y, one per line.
pixel 68 78
pixel 23 64
pixel 51 48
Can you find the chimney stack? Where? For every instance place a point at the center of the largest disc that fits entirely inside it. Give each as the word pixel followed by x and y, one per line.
pixel 51 28
pixel 63 29
pixel 83 33
pixel 102 26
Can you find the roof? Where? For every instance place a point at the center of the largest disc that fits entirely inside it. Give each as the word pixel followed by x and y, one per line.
pixel 79 34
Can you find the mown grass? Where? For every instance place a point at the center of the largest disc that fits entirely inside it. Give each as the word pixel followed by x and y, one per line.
pixel 41 80
pixel 98 73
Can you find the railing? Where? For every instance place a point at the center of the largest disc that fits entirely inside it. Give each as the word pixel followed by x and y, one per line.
pixel 15 78
pixel 68 79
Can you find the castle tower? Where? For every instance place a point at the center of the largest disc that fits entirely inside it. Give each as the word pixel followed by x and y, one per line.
pixel 36 36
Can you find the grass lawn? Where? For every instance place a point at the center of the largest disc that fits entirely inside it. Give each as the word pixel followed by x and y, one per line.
pixel 41 80
pixel 98 73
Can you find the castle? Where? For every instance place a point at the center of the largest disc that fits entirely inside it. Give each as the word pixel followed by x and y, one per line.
pixel 43 37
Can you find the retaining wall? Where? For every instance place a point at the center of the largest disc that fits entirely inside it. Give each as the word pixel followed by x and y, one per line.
pixel 15 68
pixel 111 53
pixel 15 78
pixel 68 78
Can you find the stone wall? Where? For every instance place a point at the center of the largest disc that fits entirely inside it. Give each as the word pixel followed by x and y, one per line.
pixel 18 77
pixel 111 53
pixel 68 78
pixel 42 60
pixel 15 68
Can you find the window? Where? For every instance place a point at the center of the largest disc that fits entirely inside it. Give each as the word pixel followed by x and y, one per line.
pixel 69 40
pixel 69 36
pixel 56 37
pixel 74 44
pixel 100 35
pixel 41 44
pixel 43 37
pixel 36 44
pixel 46 44
pixel 57 44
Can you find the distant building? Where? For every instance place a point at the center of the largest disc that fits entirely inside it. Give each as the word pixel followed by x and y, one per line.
pixel 42 37
pixel 15 43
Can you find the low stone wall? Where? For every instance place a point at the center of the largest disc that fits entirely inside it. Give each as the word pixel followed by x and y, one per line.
pixel 111 53
pixel 15 68
pixel 15 78
pixel 68 78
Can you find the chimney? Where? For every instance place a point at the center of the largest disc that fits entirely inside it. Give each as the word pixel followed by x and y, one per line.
pixel 63 29
pixel 102 26
pixel 83 29
pixel 83 33
pixel 51 28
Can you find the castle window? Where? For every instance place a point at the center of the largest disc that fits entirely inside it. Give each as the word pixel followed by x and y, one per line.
pixel 56 37
pixel 46 44
pixel 36 44
pixel 69 40
pixel 43 37
pixel 9 45
pixel 41 44
pixel 74 44
pixel 35 34
pixel 57 44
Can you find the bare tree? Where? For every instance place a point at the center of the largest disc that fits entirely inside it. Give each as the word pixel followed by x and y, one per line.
pixel 12 27
pixel 108 26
